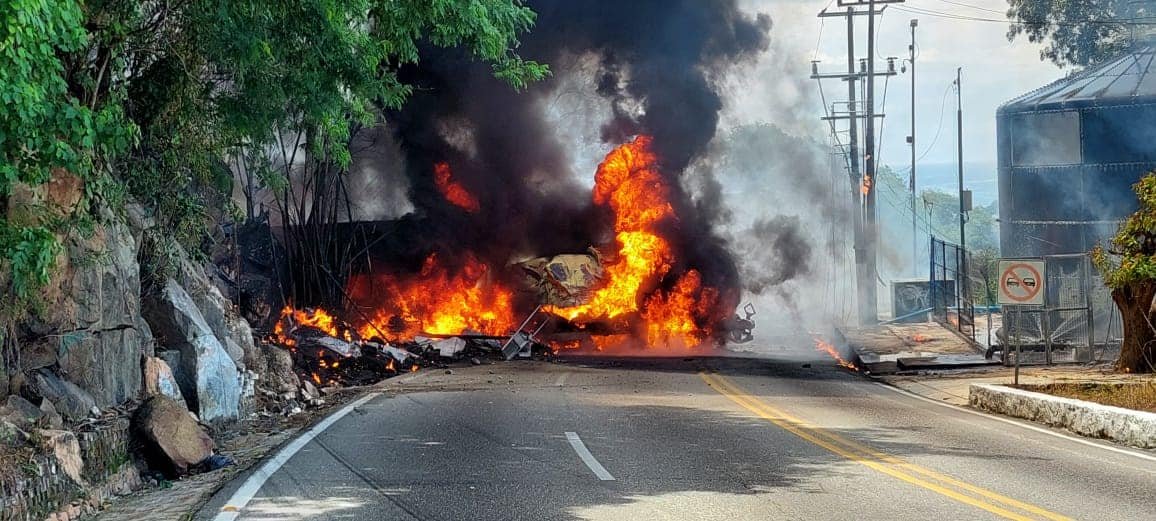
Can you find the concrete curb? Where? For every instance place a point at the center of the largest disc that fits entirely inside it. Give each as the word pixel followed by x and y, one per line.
pixel 1135 428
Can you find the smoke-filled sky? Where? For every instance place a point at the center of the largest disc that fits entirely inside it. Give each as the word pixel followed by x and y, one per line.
pixel 728 95
pixel 994 71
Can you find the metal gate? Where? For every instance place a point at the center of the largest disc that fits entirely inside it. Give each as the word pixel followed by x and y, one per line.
pixel 951 303
pixel 1063 329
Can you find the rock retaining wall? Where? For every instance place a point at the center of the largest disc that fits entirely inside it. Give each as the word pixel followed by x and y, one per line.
pixel 1135 428
pixel 40 489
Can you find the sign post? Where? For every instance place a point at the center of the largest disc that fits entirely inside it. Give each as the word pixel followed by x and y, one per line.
pixel 1019 353
pixel 1021 283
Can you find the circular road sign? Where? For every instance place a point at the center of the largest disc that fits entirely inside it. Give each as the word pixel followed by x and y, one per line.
pixel 1021 283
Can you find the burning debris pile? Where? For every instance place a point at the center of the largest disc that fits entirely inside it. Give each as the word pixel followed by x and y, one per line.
pixel 639 295
pixel 328 353
pixel 639 264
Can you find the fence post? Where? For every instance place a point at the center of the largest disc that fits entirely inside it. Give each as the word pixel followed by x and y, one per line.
pixel 1046 319
pixel 931 274
pixel 1087 265
pixel 958 302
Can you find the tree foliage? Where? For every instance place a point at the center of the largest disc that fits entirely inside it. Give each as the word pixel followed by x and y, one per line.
pixel 1128 267
pixel 44 125
pixel 979 225
pixel 152 98
pixel 1131 256
pixel 1078 32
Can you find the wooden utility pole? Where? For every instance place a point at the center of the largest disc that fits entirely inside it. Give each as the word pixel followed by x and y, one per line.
pixel 863 183
pixel 870 227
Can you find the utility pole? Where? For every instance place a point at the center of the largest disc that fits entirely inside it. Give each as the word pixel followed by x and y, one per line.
pixel 911 141
pixel 959 149
pixel 871 229
pixel 853 155
pixel 964 196
pixel 863 184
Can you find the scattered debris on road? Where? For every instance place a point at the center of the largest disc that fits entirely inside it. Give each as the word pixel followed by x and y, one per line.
pixel 328 354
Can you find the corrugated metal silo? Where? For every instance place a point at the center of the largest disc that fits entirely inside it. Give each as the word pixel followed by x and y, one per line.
pixel 1069 153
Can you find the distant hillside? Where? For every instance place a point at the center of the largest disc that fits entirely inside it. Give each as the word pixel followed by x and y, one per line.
pixel 979 177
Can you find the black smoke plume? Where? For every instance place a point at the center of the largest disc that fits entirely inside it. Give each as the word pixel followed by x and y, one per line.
pixel 781 253
pixel 657 62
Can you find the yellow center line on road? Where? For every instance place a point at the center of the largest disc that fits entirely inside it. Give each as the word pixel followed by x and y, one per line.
pixel 879 461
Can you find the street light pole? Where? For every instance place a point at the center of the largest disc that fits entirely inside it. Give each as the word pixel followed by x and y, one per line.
pixel 964 205
pixel 959 145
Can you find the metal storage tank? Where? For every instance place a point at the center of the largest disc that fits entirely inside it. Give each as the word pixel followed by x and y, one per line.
pixel 1069 153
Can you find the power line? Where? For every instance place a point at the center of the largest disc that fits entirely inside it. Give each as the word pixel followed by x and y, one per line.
pixel 1137 21
pixel 961 4
pixel 925 225
pixel 819 40
pixel 878 30
pixel 938 126
pixel 883 107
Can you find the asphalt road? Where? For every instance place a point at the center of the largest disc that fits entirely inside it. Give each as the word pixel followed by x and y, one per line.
pixel 683 438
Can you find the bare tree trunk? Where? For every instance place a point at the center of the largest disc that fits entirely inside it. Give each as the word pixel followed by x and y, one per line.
pixel 1138 351
pixel 311 208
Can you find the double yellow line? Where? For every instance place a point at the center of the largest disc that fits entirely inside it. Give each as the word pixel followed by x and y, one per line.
pixel 966 493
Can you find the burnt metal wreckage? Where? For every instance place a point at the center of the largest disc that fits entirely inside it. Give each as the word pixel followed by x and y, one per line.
pixel 342 357
pixel 327 360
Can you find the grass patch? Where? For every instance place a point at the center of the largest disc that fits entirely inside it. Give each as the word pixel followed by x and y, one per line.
pixel 1137 396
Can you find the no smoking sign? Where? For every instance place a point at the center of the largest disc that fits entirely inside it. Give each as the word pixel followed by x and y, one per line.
pixel 1021 282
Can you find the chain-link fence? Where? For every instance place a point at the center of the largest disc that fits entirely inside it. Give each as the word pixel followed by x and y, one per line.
pixel 951 287
pixel 1077 323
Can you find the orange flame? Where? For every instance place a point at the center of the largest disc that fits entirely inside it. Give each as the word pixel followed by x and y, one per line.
pixel 643 296
pixel 559 346
pixel 827 347
pixel 452 190
pixel 316 318
pixel 435 300
pixel 865 186
pixel 629 183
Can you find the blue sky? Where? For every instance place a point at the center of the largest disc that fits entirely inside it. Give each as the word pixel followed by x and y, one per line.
pixel 994 71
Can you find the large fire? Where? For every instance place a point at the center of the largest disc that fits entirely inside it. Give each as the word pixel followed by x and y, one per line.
pixel 641 297
pixel 435 300
pixel 629 183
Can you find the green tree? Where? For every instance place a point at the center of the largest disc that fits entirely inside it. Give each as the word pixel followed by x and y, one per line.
pixel 984 276
pixel 156 97
pixel 1128 266
pixel 1078 32
pixel 980 224
pixel 44 125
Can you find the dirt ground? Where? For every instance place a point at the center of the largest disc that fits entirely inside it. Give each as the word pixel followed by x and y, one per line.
pixel 1139 396
pixel 952 386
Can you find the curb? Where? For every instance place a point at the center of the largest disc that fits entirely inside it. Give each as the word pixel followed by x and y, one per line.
pixel 1126 426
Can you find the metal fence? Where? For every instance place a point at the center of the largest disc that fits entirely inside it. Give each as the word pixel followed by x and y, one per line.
pixel 952 286
pixel 1076 323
